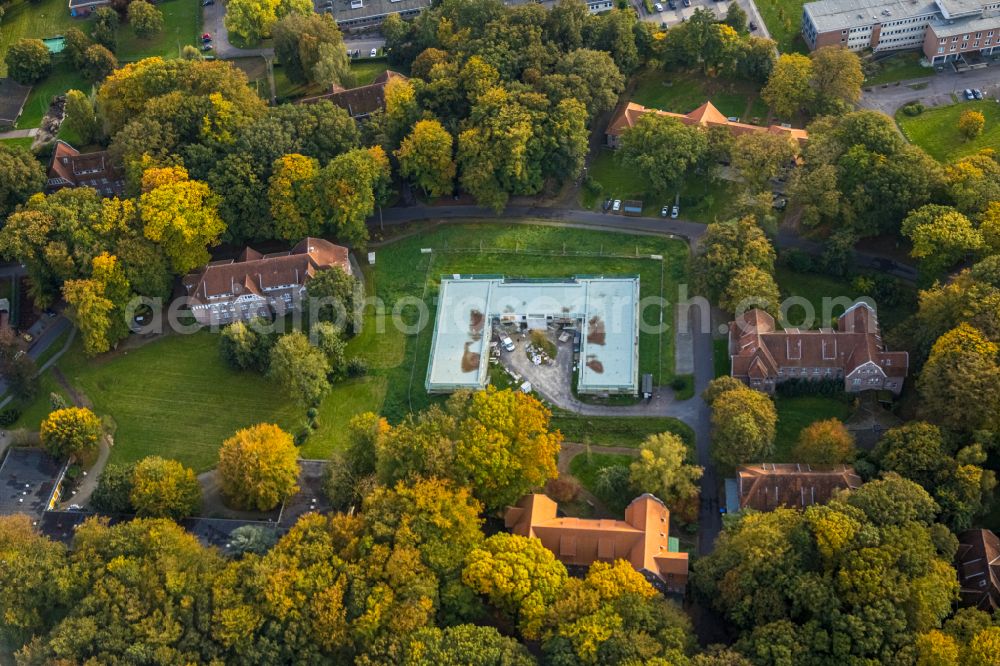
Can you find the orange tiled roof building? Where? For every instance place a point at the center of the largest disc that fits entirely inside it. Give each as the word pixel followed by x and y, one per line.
pixel 705 115
pixel 641 539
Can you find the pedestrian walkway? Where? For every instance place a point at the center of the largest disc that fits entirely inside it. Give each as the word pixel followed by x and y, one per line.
pixel 19 134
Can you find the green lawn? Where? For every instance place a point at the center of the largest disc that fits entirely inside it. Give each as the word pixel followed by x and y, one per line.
pixel 624 431
pixel 586 466
pixel 796 413
pixel 720 357
pixel 702 200
pixel 784 21
pixel 62 78
pixel 181 27
pixel 936 130
pixel 19 143
pixel 364 71
pixel 683 92
pixel 41 19
pixel 815 287
pixel 34 412
pixel 175 398
pixel 899 67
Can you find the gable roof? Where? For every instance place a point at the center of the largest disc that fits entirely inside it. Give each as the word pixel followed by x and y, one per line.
pixel 978 564
pixel 756 347
pixel 361 101
pixel 706 115
pixel 771 485
pixel 71 168
pixel 256 273
pixel 641 539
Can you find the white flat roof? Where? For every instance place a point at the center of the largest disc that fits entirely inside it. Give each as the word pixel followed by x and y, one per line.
pixel 606 306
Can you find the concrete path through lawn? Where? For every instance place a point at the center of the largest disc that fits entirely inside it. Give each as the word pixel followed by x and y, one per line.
pixel 19 134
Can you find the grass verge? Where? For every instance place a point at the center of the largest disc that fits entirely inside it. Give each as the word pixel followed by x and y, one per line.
pixel 618 431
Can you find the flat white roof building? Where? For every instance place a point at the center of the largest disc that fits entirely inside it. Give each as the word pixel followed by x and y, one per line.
pixel 605 309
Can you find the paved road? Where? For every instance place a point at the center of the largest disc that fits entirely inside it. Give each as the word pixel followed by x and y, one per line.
pixel 691 231
pixel 19 134
pixel 938 91
pixel 709 518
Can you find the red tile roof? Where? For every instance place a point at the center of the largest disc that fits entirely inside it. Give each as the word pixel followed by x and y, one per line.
pixel 771 485
pixel 361 101
pixel 978 564
pixel 255 273
pixel 71 168
pixel 705 115
pixel 758 350
pixel 641 539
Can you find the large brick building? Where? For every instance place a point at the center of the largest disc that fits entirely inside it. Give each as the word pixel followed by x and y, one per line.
pixel 763 356
pixel 945 30
pixel 259 285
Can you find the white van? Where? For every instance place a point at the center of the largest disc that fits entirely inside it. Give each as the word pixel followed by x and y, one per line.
pixel 506 342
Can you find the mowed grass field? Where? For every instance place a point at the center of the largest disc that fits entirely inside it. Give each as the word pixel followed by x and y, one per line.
pixel 176 398
pixel 795 413
pixel 41 19
pixel 936 129
pixel 784 21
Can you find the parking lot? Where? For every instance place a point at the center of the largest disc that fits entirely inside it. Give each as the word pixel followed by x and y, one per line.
pixel 681 12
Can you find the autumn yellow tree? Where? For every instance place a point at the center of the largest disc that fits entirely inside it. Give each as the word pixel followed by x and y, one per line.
pixel 664 468
pixel 97 304
pixel 295 205
pixel 258 467
pixel 971 124
pixel 518 576
pixel 826 442
pixel 350 186
pixel 73 431
pixel 163 488
pixel 181 215
pixel 958 382
pixel 788 88
pixel 426 157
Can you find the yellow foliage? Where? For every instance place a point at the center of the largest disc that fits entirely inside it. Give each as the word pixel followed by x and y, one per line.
pixel 258 467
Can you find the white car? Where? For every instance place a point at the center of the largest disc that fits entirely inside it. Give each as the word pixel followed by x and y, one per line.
pixel 507 343
pixel 674 212
pixel 658 7
pixel 617 205
pixel 374 53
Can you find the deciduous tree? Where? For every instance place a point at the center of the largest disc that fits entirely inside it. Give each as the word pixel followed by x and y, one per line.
pixel 300 369
pixel 826 442
pixel 163 488
pixel 337 299
pixel 113 495
pixel 258 467
pixel 726 248
pixel 941 236
pixel 308 45
pixel 518 576
pixel 760 157
pixel 295 203
pixel 788 88
pixel 21 175
pixel 971 124
pixel 743 424
pixel 425 156
pixel 28 61
pixel 662 148
pixel 80 117
pixel 350 186
pixel 664 468
pixel 181 215
pixel 836 79
pixel 70 432
pixel 105 30
pixel 146 20
pixel 957 381
pixel 751 287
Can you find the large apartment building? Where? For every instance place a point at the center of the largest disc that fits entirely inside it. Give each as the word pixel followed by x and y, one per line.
pixel 945 30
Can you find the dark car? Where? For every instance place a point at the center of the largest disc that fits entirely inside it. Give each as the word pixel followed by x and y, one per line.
pixel 206 47
pixel 753 26
pixel 206 3
pixel 671 4
pixel 687 3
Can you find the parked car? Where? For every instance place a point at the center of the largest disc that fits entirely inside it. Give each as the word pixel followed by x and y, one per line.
pixel 665 211
pixel 687 3
pixel 607 204
pixel 206 46
pixel 206 37
pixel 374 53
pixel 206 3
pixel 671 4
pixel 977 93
pixel 674 212
pixel 968 94
pixel 507 343
pixel 617 205
pixel 658 7
pixel 753 26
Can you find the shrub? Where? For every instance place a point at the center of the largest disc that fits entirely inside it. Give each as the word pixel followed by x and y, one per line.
pixel 797 386
pixel 913 109
pixel 357 367
pixel 798 260
pixel 28 61
pixel 9 416
pixel 971 124
pixel 562 490
pixel 614 486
